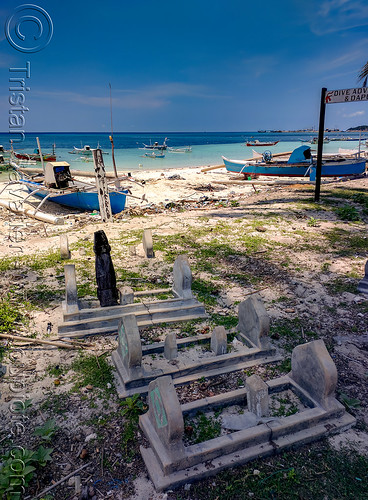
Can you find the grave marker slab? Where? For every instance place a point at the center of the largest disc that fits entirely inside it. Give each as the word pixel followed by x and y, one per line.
pixel 182 277
pixel 148 244
pixel 64 247
pixel 219 341
pixel 254 322
pixel 257 396
pixel 70 305
pixel 170 346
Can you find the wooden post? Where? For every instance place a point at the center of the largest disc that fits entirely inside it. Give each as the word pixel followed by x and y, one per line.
pixel 102 189
pixel 320 144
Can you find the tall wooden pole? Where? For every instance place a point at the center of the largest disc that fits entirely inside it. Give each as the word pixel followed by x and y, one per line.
pixel 112 138
pixel 320 144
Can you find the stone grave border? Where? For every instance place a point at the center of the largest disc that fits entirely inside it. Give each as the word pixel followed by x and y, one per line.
pixel 133 378
pixel 171 464
pixel 81 322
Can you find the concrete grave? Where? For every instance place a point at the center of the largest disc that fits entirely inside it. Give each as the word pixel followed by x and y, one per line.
pixel 148 244
pixel 182 275
pixel 64 247
pixel 188 359
pixel 71 304
pixel 363 284
pixel 171 463
pixel 105 320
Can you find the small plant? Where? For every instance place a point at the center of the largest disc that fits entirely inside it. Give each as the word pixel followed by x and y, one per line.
pixel 21 407
pixel 349 403
pixel 95 371
pixel 203 428
pixel 132 408
pixel 9 316
pixel 347 212
pixel 47 430
pixel 312 222
pixel 18 466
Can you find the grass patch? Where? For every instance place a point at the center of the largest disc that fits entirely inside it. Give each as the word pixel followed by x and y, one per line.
pixel 206 291
pixel 291 333
pixel 347 212
pixel 202 428
pixel 95 371
pixel 317 472
pixel 339 285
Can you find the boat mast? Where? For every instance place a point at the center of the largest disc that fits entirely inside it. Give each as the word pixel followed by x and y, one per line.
pixel 112 138
pixel 40 152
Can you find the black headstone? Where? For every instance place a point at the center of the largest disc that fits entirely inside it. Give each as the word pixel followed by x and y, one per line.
pixel 107 292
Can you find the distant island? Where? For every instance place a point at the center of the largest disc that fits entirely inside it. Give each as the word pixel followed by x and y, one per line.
pixel 363 128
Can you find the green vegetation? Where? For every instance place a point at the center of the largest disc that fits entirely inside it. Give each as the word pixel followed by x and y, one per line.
pixel 290 333
pixel 95 371
pixel 347 212
pixel 311 472
pixel 132 408
pixel 18 467
pixel 202 428
pixel 47 430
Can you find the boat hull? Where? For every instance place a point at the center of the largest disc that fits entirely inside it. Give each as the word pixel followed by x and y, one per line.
pixel 263 144
pixel 35 157
pixel 283 169
pixel 80 199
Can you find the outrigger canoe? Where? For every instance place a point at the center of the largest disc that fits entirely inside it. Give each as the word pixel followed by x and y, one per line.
pixel 299 164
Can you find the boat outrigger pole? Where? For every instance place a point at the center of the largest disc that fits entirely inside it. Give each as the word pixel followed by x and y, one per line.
pixel 112 138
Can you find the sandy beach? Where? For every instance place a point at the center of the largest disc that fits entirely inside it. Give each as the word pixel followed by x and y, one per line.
pixel 304 260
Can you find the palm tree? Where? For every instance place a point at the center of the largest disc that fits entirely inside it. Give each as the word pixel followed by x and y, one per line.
pixel 364 74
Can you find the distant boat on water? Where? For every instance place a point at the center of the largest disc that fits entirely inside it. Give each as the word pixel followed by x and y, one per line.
pixel 156 145
pixel 257 143
pixel 299 164
pixel 152 154
pixel 185 149
pixel 85 150
pixel 35 156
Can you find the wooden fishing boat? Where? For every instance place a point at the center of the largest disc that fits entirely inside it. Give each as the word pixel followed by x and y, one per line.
pixel 35 156
pixel 299 164
pixel 257 143
pixel 154 155
pixel 57 185
pixel 156 145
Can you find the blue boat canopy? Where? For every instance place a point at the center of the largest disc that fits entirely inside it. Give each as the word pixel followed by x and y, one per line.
pixel 300 154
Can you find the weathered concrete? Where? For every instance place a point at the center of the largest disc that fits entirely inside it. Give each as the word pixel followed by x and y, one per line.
pixel 219 341
pixel 257 396
pixel 170 464
pixel 182 277
pixel 126 295
pixel 130 348
pixel 313 369
pixel 363 284
pixel 254 322
pixel 64 247
pixel 71 304
pixel 170 346
pixel 148 244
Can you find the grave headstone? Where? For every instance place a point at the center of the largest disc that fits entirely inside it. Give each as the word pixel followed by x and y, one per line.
pixel 313 369
pixel 107 292
pixel 126 295
pixel 165 415
pixel 219 341
pixel 170 346
pixel 148 244
pixel 254 321
pixel 70 304
pixel 363 284
pixel 257 396
pixel 130 347
pixel 182 277
pixel 64 247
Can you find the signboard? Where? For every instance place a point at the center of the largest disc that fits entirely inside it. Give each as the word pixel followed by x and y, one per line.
pixel 347 95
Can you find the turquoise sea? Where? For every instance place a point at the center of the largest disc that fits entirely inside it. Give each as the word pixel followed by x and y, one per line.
pixel 207 147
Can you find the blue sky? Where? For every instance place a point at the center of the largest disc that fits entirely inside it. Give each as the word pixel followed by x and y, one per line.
pixel 189 65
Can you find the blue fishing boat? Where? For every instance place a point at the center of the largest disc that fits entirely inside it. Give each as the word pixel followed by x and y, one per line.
pixel 77 197
pixel 58 185
pixel 299 164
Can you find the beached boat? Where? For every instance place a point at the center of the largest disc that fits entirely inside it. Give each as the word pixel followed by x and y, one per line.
pixel 257 143
pixel 156 145
pixel 58 186
pixel 326 140
pixel 35 156
pixel 154 155
pixel 299 164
